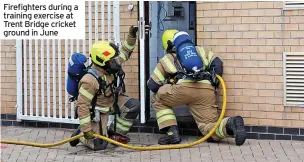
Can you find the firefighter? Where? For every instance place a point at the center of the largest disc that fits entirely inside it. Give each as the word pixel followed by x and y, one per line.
pixel 107 60
pixel 199 96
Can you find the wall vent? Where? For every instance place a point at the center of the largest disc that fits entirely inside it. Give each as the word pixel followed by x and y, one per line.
pixel 293 5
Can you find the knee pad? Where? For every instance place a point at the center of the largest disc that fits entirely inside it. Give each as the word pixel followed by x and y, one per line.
pixel 134 108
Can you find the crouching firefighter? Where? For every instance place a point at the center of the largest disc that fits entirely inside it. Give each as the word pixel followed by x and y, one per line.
pixel 186 76
pixel 99 92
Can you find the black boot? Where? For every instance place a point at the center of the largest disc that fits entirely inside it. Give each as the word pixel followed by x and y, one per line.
pixel 235 127
pixel 76 141
pixel 172 136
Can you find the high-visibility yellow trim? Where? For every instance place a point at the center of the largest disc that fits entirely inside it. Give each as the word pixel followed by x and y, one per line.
pixel 203 55
pixel 164 112
pixel 123 56
pixel 86 93
pixel 159 75
pixel 221 129
pixel 169 64
pixel 165 118
pixel 130 48
pixel 124 122
pixel 122 127
pixel 190 81
pixel 85 120
pixel 103 109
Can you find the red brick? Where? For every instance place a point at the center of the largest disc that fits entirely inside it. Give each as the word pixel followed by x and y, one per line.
pixel 234 63
pixel 265 20
pixel 228 70
pixel 279 107
pixel 233 77
pixel 290 27
pixel 265 4
pixel 257 27
pixel 266 93
pixel 266 122
pixel 210 41
pixel 297 124
pixel 250 106
pixel 293 116
pixel 250 92
pixel 243 113
pixel 226 13
pixel 242 56
pixel 254 12
pixel 265 34
pixel 283 123
pixel 242 99
pixel 266 107
pixel 235 92
pixel 234 49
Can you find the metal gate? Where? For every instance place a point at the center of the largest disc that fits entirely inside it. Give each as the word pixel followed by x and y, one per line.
pixel 42 66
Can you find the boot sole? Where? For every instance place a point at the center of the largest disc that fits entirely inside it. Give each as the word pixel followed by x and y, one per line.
pixel 240 132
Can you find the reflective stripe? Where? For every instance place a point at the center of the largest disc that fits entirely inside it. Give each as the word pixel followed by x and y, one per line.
pixel 159 75
pixel 103 109
pixel 130 48
pixel 124 122
pixel 169 64
pixel 86 93
pixel 164 112
pixel 219 131
pixel 190 81
pixel 165 118
pixel 122 127
pixel 123 56
pixel 85 120
pixel 210 55
pixel 203 55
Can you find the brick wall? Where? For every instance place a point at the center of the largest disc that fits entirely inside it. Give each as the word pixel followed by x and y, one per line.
pixel 8 62
pixel 250 38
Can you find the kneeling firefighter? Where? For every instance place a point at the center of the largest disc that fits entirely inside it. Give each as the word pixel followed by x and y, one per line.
pixel 186 76
pixel 98 93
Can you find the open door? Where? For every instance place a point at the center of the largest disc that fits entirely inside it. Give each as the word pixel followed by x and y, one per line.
pixel 143 24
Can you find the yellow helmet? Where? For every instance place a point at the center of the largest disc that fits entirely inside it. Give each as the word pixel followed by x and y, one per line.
pixel 168 36
pixel 102 52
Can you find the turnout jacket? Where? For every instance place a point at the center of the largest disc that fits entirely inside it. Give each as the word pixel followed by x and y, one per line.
pixel 166 67
pixel 89 86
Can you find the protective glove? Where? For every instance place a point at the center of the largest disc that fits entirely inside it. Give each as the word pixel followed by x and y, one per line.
pixel 132 31
pixel 88 135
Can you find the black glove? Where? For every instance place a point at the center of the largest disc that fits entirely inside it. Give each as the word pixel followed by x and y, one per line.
pixel 132 31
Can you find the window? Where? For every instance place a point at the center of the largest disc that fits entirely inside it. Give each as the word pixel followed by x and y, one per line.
pixel 293 5
pixel 293 73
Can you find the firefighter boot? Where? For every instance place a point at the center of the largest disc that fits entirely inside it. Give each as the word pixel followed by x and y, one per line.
pixel 235 127
pixel 76 141
pixel 172 136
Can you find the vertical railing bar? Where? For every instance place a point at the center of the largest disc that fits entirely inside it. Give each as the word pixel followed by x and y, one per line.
pixel 54 78
pixel 48 78
pixel 36 75
pixel 66 59
pixel 31 76
pixel 19 78
pixel 116 22
pixel 96 21
pixel 109 21
pixel 90 30
pixel 78 45
pixel 25 76
pixel 59 79
pixel 102 21
pixel 72 103
pixel 42 77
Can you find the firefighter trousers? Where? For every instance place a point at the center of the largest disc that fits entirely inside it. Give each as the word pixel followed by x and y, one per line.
pixel 129 110
pixel 200 101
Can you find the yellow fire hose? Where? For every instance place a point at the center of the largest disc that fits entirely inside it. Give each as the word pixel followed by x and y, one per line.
pixel 142 148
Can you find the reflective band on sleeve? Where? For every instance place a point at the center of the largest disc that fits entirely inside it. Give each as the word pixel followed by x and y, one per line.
pixel 159 75
pixel 164 112
pixel 203 55
pixel 169 64
pixel 124 122
pixel 121 127
pixel 85 120
pixel 102 109
pixel 210 55
pixel 123 56
pixel 86 93
pixel 190 81
pixel 165 118
pixel 130 48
